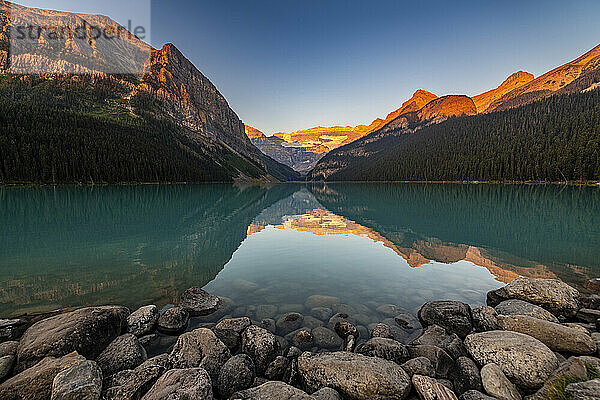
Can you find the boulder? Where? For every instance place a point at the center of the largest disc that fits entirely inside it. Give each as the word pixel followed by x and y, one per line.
pixel 382 330
pixel 173 321
pixel 200 348
pixel 261 345
pixel 277 369
pixel 453 316
pixel 556 336
pixel 271 391
pixel 466 376
pixel 390 310
pixel 553 295
pixel 326 338
pixel 184 384
pixel 35 383
pixel 87 331
pixel 320 301
pixel 198 303
pixel 441 361
pixel 419 366
pixel 354 376
pixel 230 331
pixel 496 384
pixel 525 360
pixel 574 369
pixel 475 395
pixel 289 322
pixel 520 307
pixel 237 374
pixel 311 322
pixel 11 329
pixel 9 348
pixel 335 318
pixel 80 381
pixel 345 329
pixel 326 394
pixel 132 384
pixel 6 365
pixel 588 315
pixel 485 318
pixel 430 389
pixel 435 335
pixel 143 321
pixel 125 352
pixel 584 390
pixel 407 321
pixel 303 339
pixel 388 349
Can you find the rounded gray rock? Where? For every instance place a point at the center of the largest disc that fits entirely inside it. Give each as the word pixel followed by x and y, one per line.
pixel 419 366
pixel 173 320
pixel 497 385
pixel 78 382
pixel 289 322
pixel 183 384
pixel 326 338
pixel 520 307
pixel 237 374
pixel 197 302
pixel 485 318
pixel 125 352
pixel 143 321
pixel 453 316
pixel 388 349
pixel 261 345
pixel 466 376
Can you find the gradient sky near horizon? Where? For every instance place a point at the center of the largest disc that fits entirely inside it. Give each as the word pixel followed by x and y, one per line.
pixel 285 65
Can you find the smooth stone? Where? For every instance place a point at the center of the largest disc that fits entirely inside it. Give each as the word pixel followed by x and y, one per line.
pixel 556 336
pixel 200 348
pixel 6 365
pixel 419 366
pixel 173 320
pixel 497 385
pixel 584 390
pixel 322 313
pixel 326 394
pixel 35 383
pixel 261 345
pixel 132 384
pixel 143 321
pixel 198 302
pixel 343 309
pixel 80 381
pixel 326 338
pixel 230 331
pixel 311 322
pixel 272 391
pixel 466 376
pixel 125 352
pixel 553 295
pixel 574 369
pixel 520 307
pixel 453 316
pixel 237 374
pixel 354 376
pixel 588 315
pixel 475 395
pixel 382 330
pixel 441 361
pixel 182 384
pixel 388 349
pixel 277 369
pixel 265 311
pixel 224 308
pixel 407 321
pixel 9 348
pixel 525 360
pixel 11 329
pixel 288 308
pixel 320 301
pixel 269 324
pixel 430 389
pixel 485 318
pixel 289 322
pixel 390 310
pixel 87 331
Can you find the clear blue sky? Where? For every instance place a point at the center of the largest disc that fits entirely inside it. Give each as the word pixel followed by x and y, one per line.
pixel 285 65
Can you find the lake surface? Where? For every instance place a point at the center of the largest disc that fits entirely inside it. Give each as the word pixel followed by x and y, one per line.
pixel 367 244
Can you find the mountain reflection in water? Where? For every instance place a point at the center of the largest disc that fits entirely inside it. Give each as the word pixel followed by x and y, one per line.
pixel 135 245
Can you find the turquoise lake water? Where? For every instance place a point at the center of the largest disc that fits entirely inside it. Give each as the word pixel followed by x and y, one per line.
pixel 405 244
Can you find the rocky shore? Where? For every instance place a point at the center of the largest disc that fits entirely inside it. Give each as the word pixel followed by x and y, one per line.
pixel 536 339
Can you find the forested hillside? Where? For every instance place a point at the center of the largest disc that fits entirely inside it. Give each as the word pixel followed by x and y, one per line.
pixel 554 139
pixel 83 130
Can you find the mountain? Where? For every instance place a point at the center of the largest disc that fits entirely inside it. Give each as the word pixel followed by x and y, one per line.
pixel 576 76
pixel 516 80
pixel 203 132
pixel 301 150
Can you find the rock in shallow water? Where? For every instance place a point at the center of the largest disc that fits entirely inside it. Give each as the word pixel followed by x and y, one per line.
pixel 520 307
pixel 453 316
pixel 87 331
pixel 80 381
pixel 289 322
pixel 553 295
pixel 526 361
pixel 230 331
pixel 173 320
pixel 354 376
pixel 125 352
pixel 197 302
pixel 143 321
pixel 321 301
pixel 556 336
pixel 184 384
pixel 326 339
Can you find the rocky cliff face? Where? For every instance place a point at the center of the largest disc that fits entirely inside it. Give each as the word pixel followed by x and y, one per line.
pixel 516 80
pixel 445 107
pixel 576 76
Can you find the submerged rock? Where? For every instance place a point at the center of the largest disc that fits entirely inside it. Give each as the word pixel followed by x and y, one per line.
pixel 321 301
pixel 526 361
pixel 354 376
pixel 289 322
pixel 87 331
pixel 192 383
pixel 197 302
pixel 80 381
pixel 453 316
pixel 553 295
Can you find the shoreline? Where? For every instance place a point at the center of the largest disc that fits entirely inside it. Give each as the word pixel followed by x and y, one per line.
pixel 532 334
